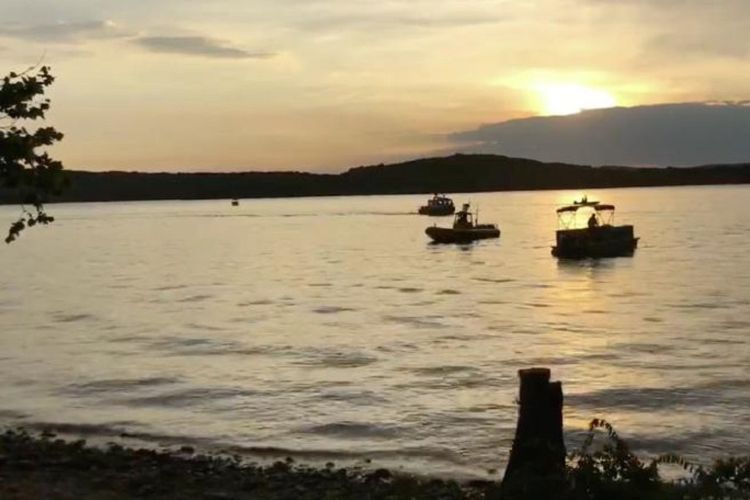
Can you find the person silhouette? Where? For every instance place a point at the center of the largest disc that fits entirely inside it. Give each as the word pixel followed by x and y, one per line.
pixel 462 218
pixel 593 221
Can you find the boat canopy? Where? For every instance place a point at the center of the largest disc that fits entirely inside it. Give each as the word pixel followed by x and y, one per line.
pixel 595 205
pixel 569 208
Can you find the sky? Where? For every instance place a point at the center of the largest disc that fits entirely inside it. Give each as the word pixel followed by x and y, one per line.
pixel 324 85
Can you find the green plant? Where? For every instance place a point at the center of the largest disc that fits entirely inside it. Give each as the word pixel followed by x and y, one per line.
pixel 611 471
pixel 24 166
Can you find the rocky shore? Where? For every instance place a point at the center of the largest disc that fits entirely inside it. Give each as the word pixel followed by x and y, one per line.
pixel 44 466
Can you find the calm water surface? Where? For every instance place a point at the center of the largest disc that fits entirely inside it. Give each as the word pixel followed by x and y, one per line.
pixel 329 329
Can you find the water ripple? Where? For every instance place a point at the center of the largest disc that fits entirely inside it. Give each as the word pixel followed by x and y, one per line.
pixel 336 359
pixel 354 430
pixel 655 398
pixel 332 309
pixel 200 396
pixel 117 385
pixel 420 322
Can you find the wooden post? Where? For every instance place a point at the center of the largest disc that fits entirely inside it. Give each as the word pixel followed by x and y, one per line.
pixel 538 453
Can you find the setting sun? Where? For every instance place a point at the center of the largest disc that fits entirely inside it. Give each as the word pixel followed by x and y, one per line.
pixel 569 98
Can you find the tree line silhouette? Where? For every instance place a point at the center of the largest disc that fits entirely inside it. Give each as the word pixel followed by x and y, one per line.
pixel 456 173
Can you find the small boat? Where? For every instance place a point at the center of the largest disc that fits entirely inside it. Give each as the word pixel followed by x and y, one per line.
pixel 465 229
pixel 601 238
pixel 235 202
pixel 584 202
pixel 438 205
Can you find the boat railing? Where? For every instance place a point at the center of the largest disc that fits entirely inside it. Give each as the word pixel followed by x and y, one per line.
pixel 567 216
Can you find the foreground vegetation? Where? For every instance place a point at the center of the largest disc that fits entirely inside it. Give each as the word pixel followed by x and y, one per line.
pixel 46 467
pixel 27 173
pixel 609 470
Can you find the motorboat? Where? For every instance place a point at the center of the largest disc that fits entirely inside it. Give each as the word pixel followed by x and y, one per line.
pixel 235 202
pixel 600 237
pixel 438 205
pixel 465 229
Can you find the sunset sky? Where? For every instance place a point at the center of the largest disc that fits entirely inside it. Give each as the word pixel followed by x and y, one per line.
pixel 328 84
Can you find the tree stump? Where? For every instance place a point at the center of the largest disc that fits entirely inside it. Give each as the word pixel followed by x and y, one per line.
pixel 537 457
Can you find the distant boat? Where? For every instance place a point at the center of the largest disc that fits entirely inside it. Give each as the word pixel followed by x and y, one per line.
pixel 585 202
pixel 465 229
pixel 438 205
pixel 600 239
pixel 235 202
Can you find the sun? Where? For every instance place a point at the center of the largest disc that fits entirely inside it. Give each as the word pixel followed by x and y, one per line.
pixel 570 98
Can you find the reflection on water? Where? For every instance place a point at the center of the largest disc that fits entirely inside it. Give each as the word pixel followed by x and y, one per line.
pixel 330 328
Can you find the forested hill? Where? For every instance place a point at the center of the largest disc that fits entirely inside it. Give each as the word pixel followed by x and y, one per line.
pixel 457 173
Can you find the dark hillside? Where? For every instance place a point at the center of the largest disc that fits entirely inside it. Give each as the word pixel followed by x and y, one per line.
pixel 457 173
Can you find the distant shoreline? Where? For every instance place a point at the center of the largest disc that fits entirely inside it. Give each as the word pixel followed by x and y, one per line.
pixel 452 174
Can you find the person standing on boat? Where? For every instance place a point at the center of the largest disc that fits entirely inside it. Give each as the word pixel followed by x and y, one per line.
pixel 462 218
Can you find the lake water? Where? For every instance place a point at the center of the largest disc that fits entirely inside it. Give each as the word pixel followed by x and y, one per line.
pixel 329 329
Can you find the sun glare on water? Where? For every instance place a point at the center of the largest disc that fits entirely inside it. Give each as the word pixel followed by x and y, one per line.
pixel 570 98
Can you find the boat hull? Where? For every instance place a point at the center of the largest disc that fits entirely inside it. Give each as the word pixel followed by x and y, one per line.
pixel 450 235
pixel 437 211
pixel 596 242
